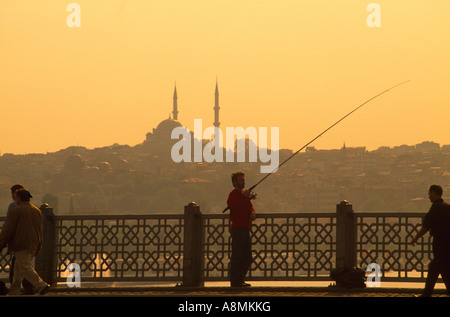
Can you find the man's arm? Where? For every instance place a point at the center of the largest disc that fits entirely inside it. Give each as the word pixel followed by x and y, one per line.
pixel 419 235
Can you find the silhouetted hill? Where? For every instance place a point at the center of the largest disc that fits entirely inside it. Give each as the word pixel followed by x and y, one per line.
pixel 144 179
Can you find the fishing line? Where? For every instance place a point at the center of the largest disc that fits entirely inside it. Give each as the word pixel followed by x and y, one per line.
pixel 322 133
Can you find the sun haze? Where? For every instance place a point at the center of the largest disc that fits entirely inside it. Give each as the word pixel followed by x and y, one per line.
pixel 297 65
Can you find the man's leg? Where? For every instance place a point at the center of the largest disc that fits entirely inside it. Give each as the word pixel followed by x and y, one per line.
pixel 237 256
pixel 445 266
pixel 16 277
pixel 11 270
pixel 26 285
pixel 247 255
pixel 432 276
pixel 23 269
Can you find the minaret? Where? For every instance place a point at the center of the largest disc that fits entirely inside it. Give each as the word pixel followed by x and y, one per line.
pixel 216 107
pixel 175 103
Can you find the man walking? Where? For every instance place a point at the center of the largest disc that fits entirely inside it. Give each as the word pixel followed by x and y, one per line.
pixel 241 215
pixel 22 233
pixel 437 221
pixel 26 285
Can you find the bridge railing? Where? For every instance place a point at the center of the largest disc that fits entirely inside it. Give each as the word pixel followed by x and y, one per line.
pixel 193 248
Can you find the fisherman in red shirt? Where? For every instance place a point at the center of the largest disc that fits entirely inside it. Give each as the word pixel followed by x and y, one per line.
pixel 241 215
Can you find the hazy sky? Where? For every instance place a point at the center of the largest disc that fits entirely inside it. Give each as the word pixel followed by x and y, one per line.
pixel 294 64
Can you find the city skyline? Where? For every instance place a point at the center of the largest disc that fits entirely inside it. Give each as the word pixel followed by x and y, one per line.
pixel 295 65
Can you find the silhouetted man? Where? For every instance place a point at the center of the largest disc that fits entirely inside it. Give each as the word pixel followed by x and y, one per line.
pixel 23 235
pixel 241 215
pixel 437 221
pixel 26 285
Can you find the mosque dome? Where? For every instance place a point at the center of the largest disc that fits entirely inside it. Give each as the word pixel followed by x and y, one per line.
pixel 74 162
pixel 165 127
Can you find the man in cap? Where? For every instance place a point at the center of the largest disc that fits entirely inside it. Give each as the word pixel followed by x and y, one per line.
pixel 23 235
pixel 26 285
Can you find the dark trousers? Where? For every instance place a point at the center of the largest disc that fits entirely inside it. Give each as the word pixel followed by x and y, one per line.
pixel 241 255
pixel 432 276
pixel 439 265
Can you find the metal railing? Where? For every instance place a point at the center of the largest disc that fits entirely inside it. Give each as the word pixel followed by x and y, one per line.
pixel 193 248
pixel 120 247
pixel 285 246
pixel 384 238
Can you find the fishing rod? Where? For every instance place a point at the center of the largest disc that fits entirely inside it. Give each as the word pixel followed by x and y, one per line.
pixel 322 133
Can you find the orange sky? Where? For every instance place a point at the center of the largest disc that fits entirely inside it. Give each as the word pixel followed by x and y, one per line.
pixel 294 64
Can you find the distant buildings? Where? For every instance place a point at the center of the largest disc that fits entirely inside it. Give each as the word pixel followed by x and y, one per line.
pixel 143 178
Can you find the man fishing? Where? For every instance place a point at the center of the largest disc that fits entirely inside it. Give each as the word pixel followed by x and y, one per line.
pixel 241 215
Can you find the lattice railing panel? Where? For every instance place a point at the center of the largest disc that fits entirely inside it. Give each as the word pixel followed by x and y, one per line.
pixel 121 247
pixel 383 238
pixel 285 246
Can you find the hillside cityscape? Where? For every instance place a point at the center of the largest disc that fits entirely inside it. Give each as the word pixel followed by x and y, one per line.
pixel 144 179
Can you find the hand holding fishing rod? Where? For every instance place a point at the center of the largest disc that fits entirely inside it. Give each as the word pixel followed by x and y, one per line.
pixel 249 194
pixel 318 136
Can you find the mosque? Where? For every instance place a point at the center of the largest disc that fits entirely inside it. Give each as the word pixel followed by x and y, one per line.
pixel 160 137
pixel 156 148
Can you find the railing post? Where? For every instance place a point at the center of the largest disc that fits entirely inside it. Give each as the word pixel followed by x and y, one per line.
pixel 45 261
pixel 193 261
pixel 345 236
